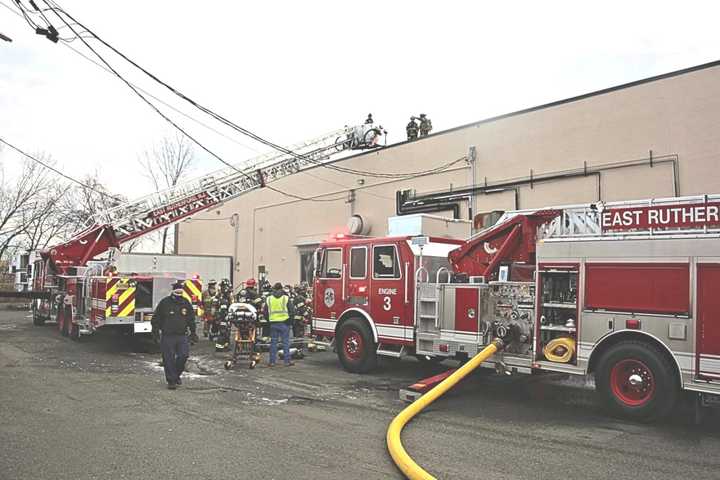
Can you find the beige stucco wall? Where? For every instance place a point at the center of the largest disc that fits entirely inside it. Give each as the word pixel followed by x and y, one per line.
pixel 678 115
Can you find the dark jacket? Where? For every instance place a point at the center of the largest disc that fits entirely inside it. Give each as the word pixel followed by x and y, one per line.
pixel 173 315
pixel 290 306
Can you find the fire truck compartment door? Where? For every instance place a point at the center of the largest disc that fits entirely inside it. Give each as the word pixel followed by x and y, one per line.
pixel 708 318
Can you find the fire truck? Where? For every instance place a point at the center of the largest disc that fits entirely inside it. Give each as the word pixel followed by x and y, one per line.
pixel 625 291
pixel 83 295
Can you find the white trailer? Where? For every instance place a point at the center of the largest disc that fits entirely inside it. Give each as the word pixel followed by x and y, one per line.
pixel 206 267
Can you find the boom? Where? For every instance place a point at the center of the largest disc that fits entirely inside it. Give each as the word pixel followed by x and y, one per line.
pixel 511 239
pixel 113 227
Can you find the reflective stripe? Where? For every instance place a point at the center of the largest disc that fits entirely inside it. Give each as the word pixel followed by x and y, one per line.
pixel 277 308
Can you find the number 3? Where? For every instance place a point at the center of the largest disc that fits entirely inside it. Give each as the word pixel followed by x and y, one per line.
pixel 387 305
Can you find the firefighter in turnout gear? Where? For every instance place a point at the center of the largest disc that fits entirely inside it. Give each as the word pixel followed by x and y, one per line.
pixel 412 129
pixel 279 311
pixel 225 293
pixel 425 125
pixel 173 318
pixel 208 306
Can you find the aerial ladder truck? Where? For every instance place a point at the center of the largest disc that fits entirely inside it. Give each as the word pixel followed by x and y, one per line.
pixel 83 294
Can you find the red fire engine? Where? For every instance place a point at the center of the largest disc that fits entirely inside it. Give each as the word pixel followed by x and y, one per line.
pixel 624 291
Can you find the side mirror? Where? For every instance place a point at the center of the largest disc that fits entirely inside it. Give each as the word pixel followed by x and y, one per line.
pixel 317 261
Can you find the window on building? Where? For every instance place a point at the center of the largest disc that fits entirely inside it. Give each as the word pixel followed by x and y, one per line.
pixel 385 262
pixel 332 263
pixel 358 262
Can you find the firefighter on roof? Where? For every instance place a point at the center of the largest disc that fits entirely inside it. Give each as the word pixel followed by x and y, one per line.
pixel 425 125
pixel 173 318
pixel 412 129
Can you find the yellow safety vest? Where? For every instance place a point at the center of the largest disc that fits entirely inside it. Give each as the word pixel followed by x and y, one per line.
pixel 277 308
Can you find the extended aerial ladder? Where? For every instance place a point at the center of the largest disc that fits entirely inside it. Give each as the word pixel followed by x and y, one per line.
pixel 113 227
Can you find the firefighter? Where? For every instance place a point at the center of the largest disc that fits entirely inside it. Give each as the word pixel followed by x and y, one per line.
pixel 412 129
pixel 173 318
pixel 208 296
pixel 369 119
pixel 279 311
pixel 225 293
pixel 425 125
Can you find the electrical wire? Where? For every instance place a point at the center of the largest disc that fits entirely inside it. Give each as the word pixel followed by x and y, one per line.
pixel 56 7
pixel 68 177
pixel 177 110
pixel 165 117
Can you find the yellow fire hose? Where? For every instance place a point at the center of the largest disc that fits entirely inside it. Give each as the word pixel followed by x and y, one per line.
pixel 560 349
pixel 407 465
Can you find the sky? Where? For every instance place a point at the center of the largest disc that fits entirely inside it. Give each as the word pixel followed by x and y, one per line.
pixel 290 70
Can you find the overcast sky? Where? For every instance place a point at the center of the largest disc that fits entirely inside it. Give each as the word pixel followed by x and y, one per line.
pixel 293 70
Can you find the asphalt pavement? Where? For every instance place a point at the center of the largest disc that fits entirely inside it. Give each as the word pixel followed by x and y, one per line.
pixel 99 409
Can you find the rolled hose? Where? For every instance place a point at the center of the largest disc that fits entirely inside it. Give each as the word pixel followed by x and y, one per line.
pixel 565 355
pixel 407 465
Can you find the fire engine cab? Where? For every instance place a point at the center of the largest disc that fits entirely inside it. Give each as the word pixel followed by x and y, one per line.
pixel 625 291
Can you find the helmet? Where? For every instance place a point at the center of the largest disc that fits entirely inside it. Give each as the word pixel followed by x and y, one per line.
pixel 212 282
pixel 250 282
pixel 278 286
pixel 422 115
pixel 177 287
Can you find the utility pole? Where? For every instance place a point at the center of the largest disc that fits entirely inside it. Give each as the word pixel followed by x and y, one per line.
pixel 472 160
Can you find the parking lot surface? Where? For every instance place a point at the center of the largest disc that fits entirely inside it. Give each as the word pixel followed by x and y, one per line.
pixel 99 409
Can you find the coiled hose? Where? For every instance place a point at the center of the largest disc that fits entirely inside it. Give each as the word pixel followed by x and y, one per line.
pixel 560 349
pixel 407 465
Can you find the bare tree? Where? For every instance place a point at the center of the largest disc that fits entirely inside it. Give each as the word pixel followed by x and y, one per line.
pixel 83 203
pixel 43 223
pixel 165 165
pixel 22 200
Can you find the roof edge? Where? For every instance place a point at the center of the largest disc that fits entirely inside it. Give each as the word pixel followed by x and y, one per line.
pixel 544 106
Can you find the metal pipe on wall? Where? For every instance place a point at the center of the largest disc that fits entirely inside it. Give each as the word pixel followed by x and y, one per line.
pixel 414 203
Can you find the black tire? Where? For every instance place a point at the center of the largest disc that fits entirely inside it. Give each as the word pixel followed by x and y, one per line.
pixel 655 389
pixel 356 348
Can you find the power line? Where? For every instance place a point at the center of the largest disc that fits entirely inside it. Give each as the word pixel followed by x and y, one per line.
pixel 49 167
pixel 177 110
pixel 159 112
pixel 225 120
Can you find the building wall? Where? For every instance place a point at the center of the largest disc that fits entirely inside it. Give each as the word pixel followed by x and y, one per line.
pixel 676 117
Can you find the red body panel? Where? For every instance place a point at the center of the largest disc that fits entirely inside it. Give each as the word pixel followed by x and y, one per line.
pixel 638 287
pixel 466 309
pixel 708 313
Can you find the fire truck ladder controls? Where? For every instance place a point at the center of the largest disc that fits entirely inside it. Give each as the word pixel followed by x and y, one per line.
pixel 407 465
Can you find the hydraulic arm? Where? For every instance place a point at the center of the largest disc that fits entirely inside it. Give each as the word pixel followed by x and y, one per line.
pixel 512 240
